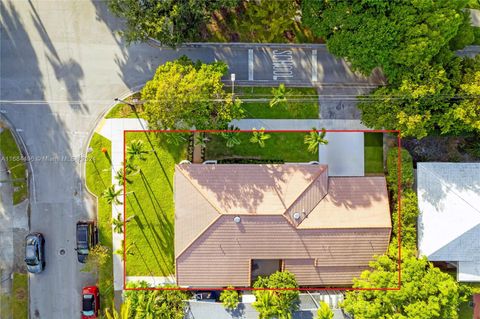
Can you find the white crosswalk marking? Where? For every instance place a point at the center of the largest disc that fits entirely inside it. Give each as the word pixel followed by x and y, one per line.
pixel 250 64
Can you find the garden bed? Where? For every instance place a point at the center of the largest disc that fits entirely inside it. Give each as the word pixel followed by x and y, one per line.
pixel 289 147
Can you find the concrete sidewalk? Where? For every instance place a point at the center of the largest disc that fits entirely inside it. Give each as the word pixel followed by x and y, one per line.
pixel 291 124
pixel 113 129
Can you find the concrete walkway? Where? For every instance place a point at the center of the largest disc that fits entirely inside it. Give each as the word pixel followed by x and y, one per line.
pixel 291 124
pixel 113 129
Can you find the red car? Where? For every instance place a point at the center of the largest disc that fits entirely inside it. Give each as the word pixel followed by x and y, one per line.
pixel 90 302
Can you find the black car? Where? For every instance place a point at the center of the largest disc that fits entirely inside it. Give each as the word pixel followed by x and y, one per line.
pixel 87 238
pixel 35 252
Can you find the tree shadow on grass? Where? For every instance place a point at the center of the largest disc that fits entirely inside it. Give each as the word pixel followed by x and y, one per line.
pixel 142 229
pixel 162 218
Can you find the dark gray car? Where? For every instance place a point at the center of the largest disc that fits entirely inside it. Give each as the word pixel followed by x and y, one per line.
pixel 35 252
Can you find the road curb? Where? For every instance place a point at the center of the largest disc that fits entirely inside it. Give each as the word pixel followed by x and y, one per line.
pixel 191 45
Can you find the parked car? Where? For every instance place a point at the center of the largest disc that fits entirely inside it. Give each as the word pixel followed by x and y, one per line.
pixel 35 252
pixel 87 238
pixel 90 302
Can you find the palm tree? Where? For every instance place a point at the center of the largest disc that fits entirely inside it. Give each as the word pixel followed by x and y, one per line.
pixel 201 140
pixel 135 150
pixel 124 311
pixel 118 224
pixel 231 137
pixel 119 177
pixel 111 195
pixel 279 95
pixel 128 250
pixel 314 139
pixel 265 304
pixel 259 137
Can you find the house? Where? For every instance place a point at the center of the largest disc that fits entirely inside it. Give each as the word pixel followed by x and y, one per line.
pixel 449 220
pixel 234 222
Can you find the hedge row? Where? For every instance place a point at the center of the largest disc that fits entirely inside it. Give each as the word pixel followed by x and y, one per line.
pixel 409 201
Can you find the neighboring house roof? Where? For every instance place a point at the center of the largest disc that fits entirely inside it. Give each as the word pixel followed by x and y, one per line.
pixel 449 221
pixel 338 240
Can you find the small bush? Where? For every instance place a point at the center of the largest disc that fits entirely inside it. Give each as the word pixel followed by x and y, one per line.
pixel 229 298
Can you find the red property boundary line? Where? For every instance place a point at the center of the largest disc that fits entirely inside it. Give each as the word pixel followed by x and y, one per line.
pixel 399 228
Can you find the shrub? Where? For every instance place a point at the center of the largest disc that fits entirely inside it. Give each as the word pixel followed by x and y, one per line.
pixel 409 214
pixel 324 311
pixel 229 298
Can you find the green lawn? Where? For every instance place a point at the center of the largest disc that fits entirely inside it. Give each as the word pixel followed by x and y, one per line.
pixel 373 153
pixel 150 207
pixel 289 147
pixel 99 176
pixel 15 163
pixel 305 109
pixel 20 296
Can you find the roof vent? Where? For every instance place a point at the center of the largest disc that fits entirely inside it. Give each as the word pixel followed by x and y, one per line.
pixel 296 216
pixel 237 219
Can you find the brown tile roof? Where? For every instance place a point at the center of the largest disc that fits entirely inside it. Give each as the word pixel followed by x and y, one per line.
pixel 341 234
pixel 251 188
pixel 352 202
pixel 221 255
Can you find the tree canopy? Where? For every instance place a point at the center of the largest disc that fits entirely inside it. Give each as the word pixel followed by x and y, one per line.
pixel 183 94
pixel 393 35
pixel 433 98
pixel 426 292
pixel 170 22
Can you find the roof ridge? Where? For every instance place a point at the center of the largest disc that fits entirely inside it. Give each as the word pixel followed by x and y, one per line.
pixel 319 173
pixel 218 210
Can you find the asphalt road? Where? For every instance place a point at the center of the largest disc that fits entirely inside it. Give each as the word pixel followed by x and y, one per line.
pixel 61 66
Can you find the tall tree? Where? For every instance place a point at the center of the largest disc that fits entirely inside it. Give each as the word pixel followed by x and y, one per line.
pixel 432 98
pixel 394 35
pixel 267 20
pixel 183 94
pixel 426 293
pixel 170 22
